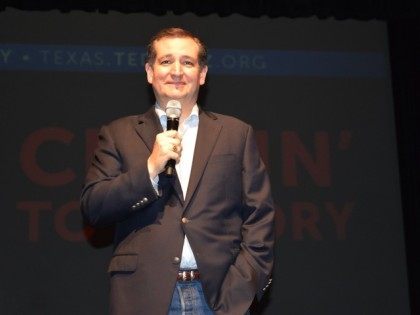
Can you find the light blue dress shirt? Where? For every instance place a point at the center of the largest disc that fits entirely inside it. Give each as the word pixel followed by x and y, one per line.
pixel 188 131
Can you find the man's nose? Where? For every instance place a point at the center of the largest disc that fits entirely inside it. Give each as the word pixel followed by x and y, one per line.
pixel 176 69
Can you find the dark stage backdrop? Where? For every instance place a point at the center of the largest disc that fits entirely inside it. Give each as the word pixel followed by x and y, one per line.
pixel 318 94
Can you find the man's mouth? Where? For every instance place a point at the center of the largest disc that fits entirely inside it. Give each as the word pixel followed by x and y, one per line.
pixel 176 83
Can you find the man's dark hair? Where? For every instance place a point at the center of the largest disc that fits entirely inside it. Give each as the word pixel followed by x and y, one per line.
pixel 175 32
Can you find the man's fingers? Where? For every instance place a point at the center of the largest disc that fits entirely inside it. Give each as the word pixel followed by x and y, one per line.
pixel 173 134
pixel 171 147
pixel 176 148
pixel 164 138
pixel 172 155
pixel 167 147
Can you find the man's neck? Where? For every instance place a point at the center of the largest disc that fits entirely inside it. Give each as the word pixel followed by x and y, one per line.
pixel 185 113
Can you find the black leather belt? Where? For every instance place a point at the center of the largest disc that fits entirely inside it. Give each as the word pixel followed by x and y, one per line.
pixel 188 275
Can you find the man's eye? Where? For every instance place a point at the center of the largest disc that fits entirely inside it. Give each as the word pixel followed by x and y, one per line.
pixel 188 63
pixel 165 62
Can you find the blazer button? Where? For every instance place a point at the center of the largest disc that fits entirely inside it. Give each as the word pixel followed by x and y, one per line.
pixel 176 260
pixel 145 199
pixel 185 220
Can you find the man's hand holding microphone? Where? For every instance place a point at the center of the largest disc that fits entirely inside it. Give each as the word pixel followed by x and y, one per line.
pixel 167 147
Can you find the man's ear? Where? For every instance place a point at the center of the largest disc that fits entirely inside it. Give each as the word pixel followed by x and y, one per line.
pixel 203 73
pixel 149 72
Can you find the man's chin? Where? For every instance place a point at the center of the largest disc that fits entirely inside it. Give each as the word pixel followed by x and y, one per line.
pixel 176 96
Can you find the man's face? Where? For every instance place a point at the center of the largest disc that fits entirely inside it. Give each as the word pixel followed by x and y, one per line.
pixel 176 73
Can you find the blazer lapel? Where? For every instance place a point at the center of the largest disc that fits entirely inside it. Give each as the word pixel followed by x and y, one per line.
pixel 147 128
pixel 208 132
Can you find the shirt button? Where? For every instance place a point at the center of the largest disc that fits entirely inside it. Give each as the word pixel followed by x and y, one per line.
pixel 185 220
pixel 176 260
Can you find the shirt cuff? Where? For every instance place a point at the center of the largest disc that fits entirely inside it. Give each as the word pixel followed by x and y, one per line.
pixel 155 184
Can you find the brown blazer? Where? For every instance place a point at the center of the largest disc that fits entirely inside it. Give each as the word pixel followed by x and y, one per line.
pixel 228 215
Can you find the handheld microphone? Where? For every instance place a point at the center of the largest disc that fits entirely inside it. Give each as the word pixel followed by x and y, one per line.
pixel 173 112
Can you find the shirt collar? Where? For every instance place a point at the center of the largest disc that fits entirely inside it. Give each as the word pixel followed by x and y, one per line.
pixel 191 121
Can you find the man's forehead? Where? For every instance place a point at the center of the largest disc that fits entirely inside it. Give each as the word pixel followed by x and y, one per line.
pixel 170 45
pixel 173 55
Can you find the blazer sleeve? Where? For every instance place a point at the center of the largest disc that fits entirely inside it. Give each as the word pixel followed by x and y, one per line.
pixel 110 193
pixel 249 275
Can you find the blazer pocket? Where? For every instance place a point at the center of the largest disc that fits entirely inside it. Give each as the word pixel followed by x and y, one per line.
pixel 123 263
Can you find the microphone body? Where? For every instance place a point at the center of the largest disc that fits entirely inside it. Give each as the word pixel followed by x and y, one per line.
pixel 172 124
pixel 173 112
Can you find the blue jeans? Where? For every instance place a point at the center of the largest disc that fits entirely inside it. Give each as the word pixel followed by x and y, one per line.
pixel 188 299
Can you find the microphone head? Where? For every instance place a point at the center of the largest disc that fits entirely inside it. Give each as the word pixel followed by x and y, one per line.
pixel 173 109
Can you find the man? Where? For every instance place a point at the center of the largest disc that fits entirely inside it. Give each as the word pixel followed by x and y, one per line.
pixel 196 243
